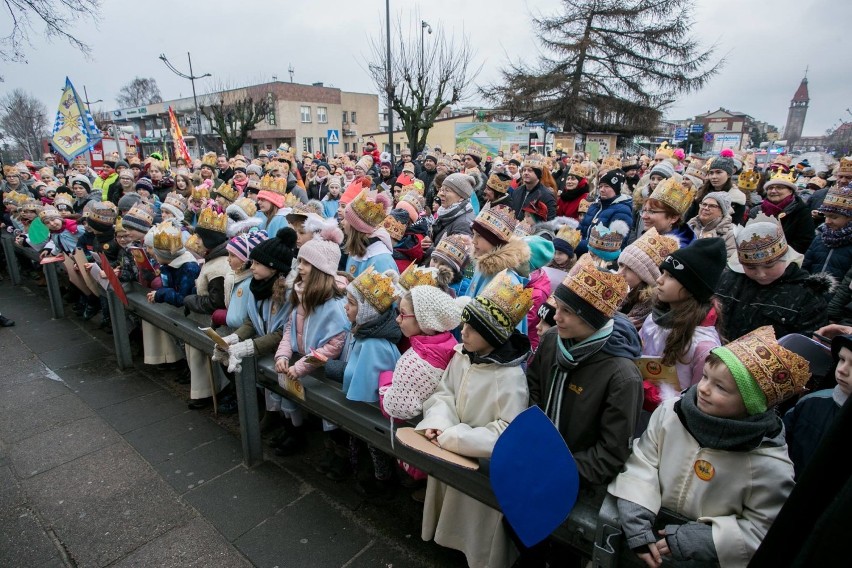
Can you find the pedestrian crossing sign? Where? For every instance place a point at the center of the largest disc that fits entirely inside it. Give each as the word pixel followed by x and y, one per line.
pixel 333 137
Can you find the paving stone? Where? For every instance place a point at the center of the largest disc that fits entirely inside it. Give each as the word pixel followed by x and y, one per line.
pixel 24 394
pixel 71 354
pixel 106 504
pixel 60 445
pixel 10 492
pixel 21 370
pixel 141 411
pixel 23 542
pixel 195 544
pixel 242 498
pixel 52 336
pixel 99 391
pixel 380 555
pixel 303 532
pixel 174 436
pixel 26 420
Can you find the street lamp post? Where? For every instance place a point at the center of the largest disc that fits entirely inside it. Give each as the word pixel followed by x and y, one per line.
pixel 389 84
pixel 192 79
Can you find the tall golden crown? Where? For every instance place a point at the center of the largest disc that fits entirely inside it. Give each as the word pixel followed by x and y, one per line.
pixel 665 149
pixel 246 205
pixel 17 199
pixel 512 300
pixel 227 191
pixel 415 275
pixel 291 200
pixel 611 163
pixel 275 185
pixel 579 170
pixel 534 161
pixel 372 212
pixel 395 229
pixel 212 221
pixel 195 245
pixel 783 177
pixel 569 235
pixel 167 237
pixel 748 180
pixel 200 193
pixel 601 289
pixel 209 159
pixel 119 225
pixel 378 289
pixel 672 193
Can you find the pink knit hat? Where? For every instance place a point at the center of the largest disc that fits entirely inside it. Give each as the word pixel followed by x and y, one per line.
pixel 323 251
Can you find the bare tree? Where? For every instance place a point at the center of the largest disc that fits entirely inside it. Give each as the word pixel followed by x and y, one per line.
pixel 613 65
pixel 139 92
pixel 24 120
pixel 234 112
pixel 53 20
pixel 429 75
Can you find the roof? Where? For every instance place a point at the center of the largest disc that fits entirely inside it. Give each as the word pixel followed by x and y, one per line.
pixel 802 92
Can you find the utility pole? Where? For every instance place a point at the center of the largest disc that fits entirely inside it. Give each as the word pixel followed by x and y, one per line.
pixel 389 83
pixel 192 79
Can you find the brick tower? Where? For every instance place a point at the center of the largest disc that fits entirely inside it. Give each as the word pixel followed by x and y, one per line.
pixel 796 114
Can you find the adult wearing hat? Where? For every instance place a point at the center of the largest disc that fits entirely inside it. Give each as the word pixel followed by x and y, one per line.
pixel 575 188
pixel 428 171
pixel 455 214
pixel 318 186
pixel 784 204
pixel 81 187
pixel 714 220
pixel 106 177
pixel 531 189
pixel 405 159
pixel 386 178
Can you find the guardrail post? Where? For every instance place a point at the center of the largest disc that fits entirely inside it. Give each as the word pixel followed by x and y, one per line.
pixel 246 385
pixel 120 336
pixel 11 261
pixel 53 291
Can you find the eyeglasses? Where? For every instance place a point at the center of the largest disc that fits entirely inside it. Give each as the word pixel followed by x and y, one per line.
pixel 708 206
pixel 652 211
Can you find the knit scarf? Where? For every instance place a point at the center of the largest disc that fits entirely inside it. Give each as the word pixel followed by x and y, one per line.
pixel 569 356
pixel 837 238
pixel 572 194
pixel 452 209
pixel 733 435
pixel 775 209
pixel 662 318
pixel 262 289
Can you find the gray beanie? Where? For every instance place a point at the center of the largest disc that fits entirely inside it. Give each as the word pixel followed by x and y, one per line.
pixel 82 180
pixel 722 198
pixel 725 164
pixel 254 169
pixel 664 169
pixel 128 200
pixel 460 184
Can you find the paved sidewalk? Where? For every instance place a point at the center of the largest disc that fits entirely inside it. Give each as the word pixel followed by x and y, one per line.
pixel 103 467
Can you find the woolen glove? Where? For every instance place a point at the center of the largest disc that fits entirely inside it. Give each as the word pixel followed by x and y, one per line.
pixel 237 352
pixel 219 355
pixel 231 339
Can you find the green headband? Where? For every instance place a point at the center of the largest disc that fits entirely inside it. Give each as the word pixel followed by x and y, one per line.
pixel 753 397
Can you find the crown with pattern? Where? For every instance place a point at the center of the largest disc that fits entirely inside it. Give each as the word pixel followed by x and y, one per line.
pixel 473 151
pixel 212 221
pixel 569 235
pixel 761 241
pixel 414 275
pixel 523 229
pixel 664 149
pixel 765 372
pixel 454 250
pixel 672 193
pixel 103 212
pixel 498 309
pixel 602 290
pixel 498 220
pixel 227 191
pixel 838 200
pixel 498 185
pixel 291 200
pixel 608 239
pixel 371 211
pixel 63 200
pixel 176 200
pixel 247 205
pixel 844 167
pixel 49 212
pixel 748 180
pixel 377 289
pixel 167 237
pixel 584 206
pixel 412 187
pixel 30 204
pixel 395 229
pixel 780 177
pixel 415 199
pixel 200 193
pixel 580 170
pixel 534 161
pixel 17 199
pixel 610 163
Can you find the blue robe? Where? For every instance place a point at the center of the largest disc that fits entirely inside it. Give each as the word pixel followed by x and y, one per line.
pixel 326 321
pixel 365 359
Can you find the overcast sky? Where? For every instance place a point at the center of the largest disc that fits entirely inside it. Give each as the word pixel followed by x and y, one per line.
pixel 768 45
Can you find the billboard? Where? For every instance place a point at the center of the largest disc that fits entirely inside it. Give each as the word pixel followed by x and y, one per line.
pixel 491 137
pixel 721 141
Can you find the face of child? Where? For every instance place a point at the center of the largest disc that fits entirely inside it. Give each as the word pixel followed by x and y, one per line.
pixel 669 290
pixel 560 258
pixel 406 320
pixel 137 236
pixel 28 214
pixel 123 238
pixel 569 325
pixel 843 374
pixel 235 262
pixel 631 277
pixel 263 205
pixel 541 327
pixel 836 222
pixel 718 394
pixel 653 181
pixel 261 271
pixel 480 245
pixel 167 215
pixel 334 190
pixel 766 274
pixel 351 307
pixel 222 202
pixel 79 190
pixel 144 193
pixel 304 269
pixel 54 225
pixel 302 236
pixel 717 177
pixel 473 341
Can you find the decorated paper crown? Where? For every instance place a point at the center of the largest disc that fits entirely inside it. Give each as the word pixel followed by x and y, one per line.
pixel 534 161
pixel 761 241
pixel 473 151
pixel 570 235
pixel 782 160
pixel 779 177
pixel 195 245
pixel 415 199
pixel 138 213
pixel 664 149
pixel 378 289
pixel 177 200
pixel 838 200
pixel 748 180
pixel 167 237
pixel 395 229
pixel 30 204
pixel 499 307
pixel 49 212
pixel 119 225
pixel 454 250
pixel 672 193
pixel 611 163
pixel 200 193
pixel 765 372
pixel 608 239
pixel 291 200
pixel 370 211
pixel 415 275
pixel 103 212
pixel 247 205
pixel 210 220
pixel 523 229
pixel 655 248
pixel 584 206
pixel 63 200
pixel 498 220
pixel 227 191
pixel 17 199
pixel 304 209
pixel 628 163
pixel 844 167
pixel 601 289
pixel 412 187
pixel 498 185
pixel 275 185
pixel 580 170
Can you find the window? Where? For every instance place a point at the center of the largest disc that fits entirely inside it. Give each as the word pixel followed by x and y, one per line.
pixel 322 115
pixel 308 145
pixel 346 145
pixel 345 117
pixel 354 119
pixel 398 149
pixel 323 145
pixel 306 113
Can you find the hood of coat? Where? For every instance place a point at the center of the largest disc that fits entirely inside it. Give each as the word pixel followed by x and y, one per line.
pixel 383 327
pixel 820 283
pixel 512 255
pixel 624 339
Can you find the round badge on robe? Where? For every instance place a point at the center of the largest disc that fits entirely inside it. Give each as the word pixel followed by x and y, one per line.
pixel 239 292
pixel 704 470
pixel 106 247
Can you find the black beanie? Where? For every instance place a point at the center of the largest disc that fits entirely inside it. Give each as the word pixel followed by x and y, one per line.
pixel 698 267
pixel 614 179
pixel 210 238
pixel 277 253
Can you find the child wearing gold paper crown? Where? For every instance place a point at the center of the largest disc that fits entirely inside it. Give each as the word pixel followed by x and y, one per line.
pixel 483 389
pixel 367 243
pixel 717 456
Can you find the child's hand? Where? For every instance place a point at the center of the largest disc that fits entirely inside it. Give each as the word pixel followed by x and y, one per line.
pixel 103 274
pixel 652 559
pixel 291 372
pixel 88 266
pixel 833 330
pixel 43 254
pixel 432 435
pixel 151 295
pixel 426 243
pixel 281 365
pixel 663 545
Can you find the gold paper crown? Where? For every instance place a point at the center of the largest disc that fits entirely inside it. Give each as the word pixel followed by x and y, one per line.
pixel 119 225
pixel 579 170
pixel 844 167
pixel 611 163
pixel 523 229
pixel 608 239
pixel 16 198
pixel 167 237
pixel 48 212
pixel 415 199
pixel 779 176
pixel 584 206
pixel 227 191
pixel 569 235
pixel 672 193
pixel 456 249
pixel 275 185
pixel 602 290
pixel 63 199
pixel 200 192
pixel 412 187
pixel 415 275
pixel 761 241
pixel 31 204
pixel 195 245
pixel 103 212
pixel 473 151
pixel 372 212
pixel 506 303
pixel 395 229
pixel 246 205
pixel 498 185
pixel 498 220
pixel 665 149
pixel 748 180
pixel 291 200
pixel 378 289
pixel 534 161
pixel 212 221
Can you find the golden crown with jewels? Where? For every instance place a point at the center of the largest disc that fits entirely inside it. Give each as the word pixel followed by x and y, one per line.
pixel 378 289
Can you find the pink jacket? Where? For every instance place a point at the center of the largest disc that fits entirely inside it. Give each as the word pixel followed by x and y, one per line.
pixel 541 289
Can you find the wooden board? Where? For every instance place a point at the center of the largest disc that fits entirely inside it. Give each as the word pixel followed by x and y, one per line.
pixel 653 370
pixel 410 438
pixel 80 259
pixel 113 280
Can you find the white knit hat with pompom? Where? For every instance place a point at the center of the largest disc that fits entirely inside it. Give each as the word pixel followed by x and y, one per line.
pixel 323 251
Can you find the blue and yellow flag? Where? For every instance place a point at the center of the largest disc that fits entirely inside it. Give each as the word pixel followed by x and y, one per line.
pixel 74 129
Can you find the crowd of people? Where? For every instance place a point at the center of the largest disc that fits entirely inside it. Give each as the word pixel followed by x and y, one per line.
pixel 642 302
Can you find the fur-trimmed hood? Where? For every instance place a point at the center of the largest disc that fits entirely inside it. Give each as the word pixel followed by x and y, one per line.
pixel 821 283
pixel 512 255
pixel 237 227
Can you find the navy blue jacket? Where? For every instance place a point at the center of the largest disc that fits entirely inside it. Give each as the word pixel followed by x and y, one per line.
pixel 604 212
pixel 820 258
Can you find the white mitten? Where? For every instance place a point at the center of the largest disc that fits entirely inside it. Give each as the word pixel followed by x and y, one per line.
pixel 231 339
pixel 219 355
pixel 237 352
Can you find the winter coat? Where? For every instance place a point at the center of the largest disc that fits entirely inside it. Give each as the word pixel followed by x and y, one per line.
pixel 739 493
pixel 540 285
pixel 427 177
pixel 840 306
pixel 473 405
pixel 600 406
pixel 604 212
pixel 101 185
pixel 522 197
pixel 795 303
pixel 807 423
pixel 797 223
pixel 163 187
pixel 379 255
pixel 683 234
pixel 456 222
pixel 510 256
pixel 178 278
pixel 408 250
pixel 318 189
pixel 210 286
pixel 820 258
pixel 236 297
pixel 704 339
pixel 570 207
pixel 722 227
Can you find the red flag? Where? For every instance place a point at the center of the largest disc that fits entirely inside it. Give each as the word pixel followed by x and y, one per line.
pixel 177 136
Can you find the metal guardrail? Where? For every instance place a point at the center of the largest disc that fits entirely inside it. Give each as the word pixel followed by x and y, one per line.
pixel 54 293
